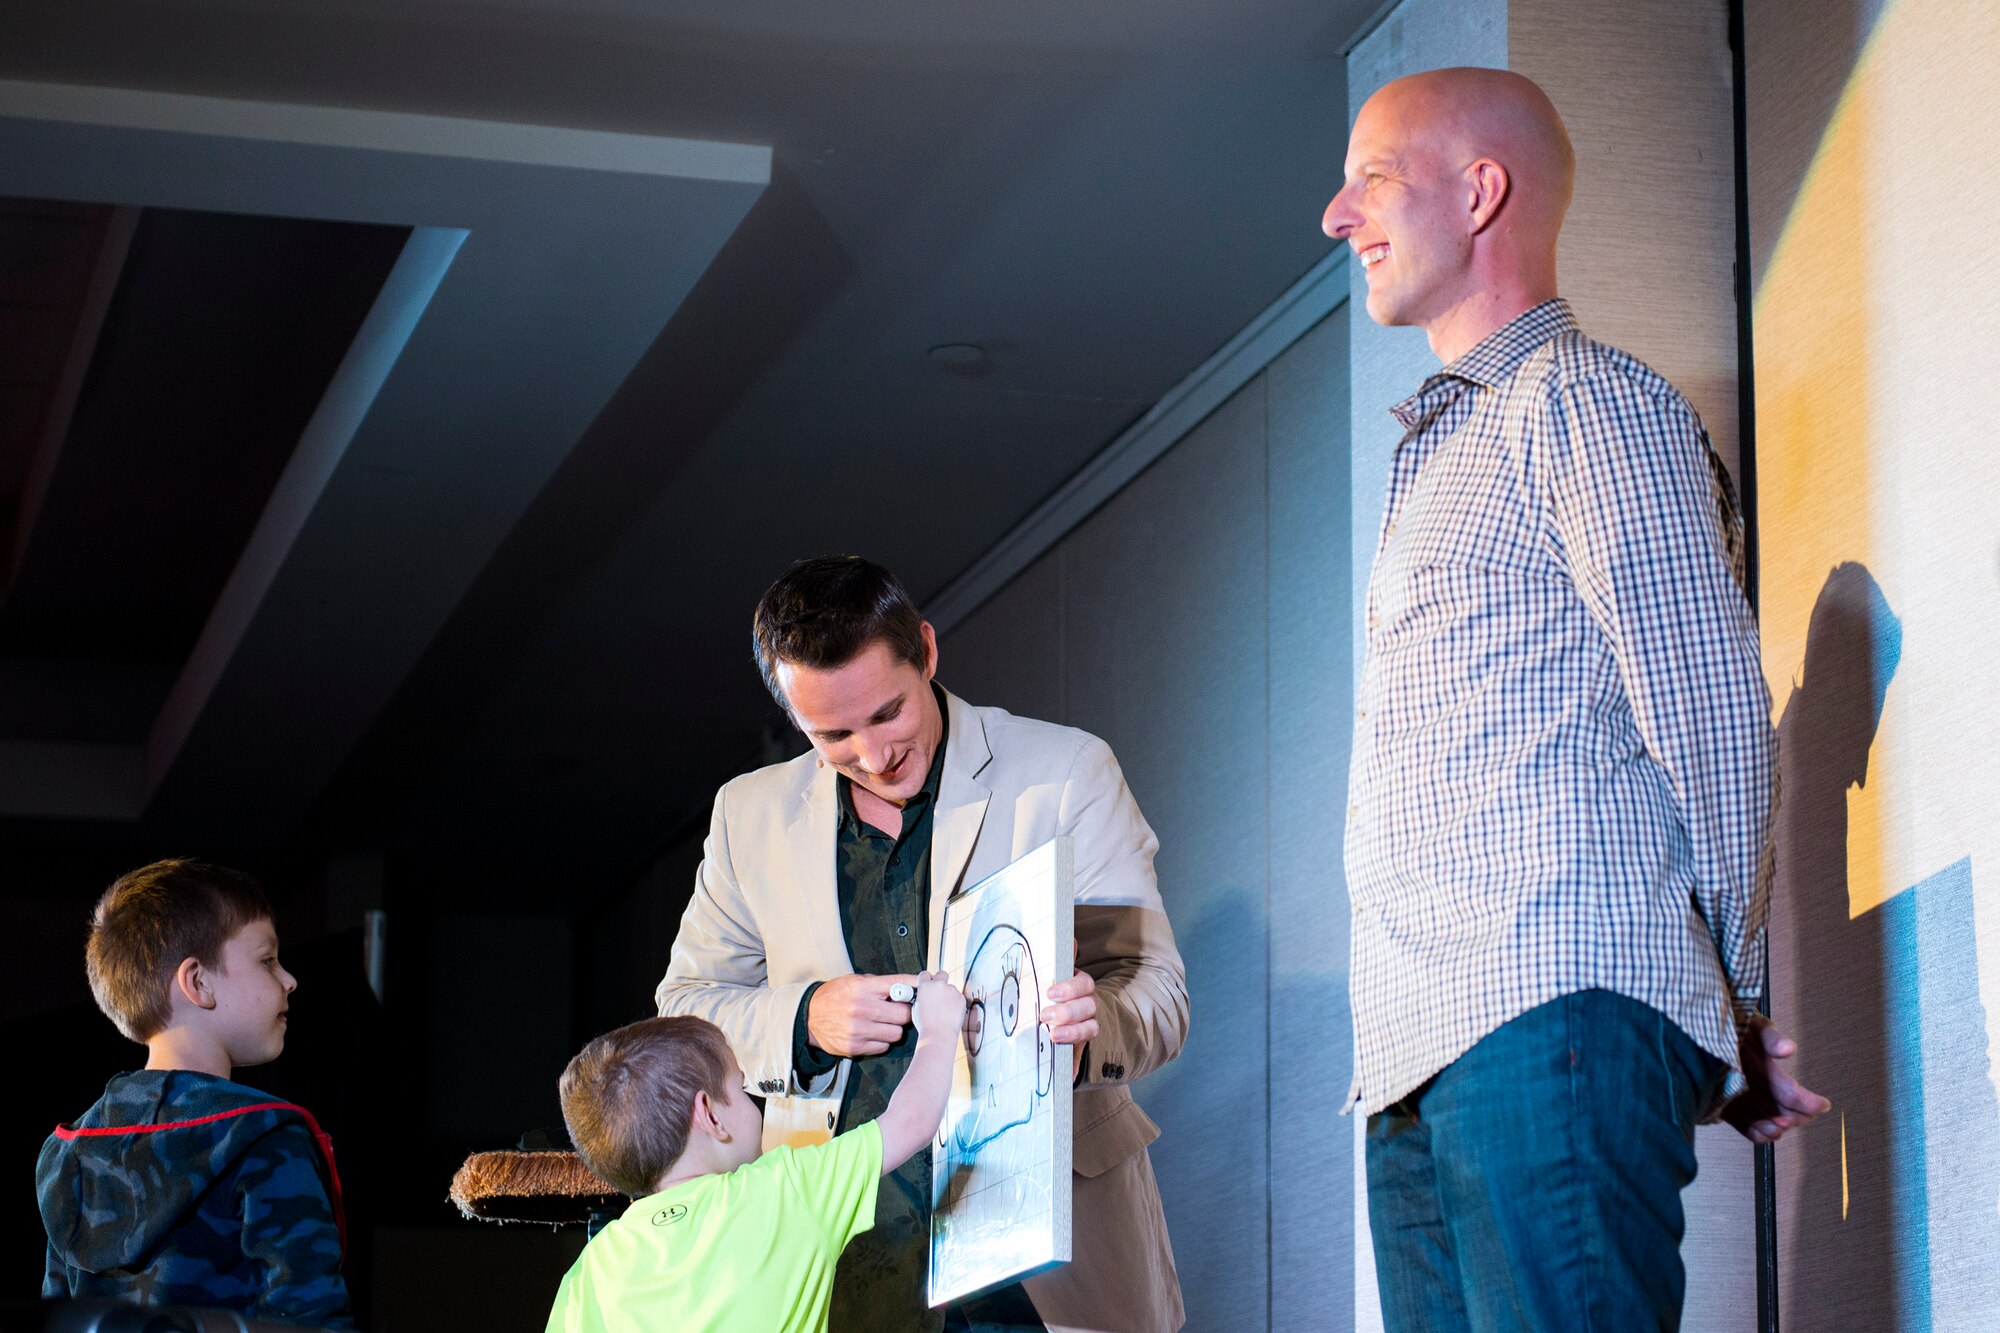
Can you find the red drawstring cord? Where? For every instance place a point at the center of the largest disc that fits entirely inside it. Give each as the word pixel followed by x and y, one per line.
pixel 320 1136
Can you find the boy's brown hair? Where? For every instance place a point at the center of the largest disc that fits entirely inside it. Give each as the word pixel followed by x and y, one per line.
pixel 153 918
pixel 628 1097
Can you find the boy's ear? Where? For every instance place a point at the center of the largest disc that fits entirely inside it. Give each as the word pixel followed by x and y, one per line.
pixel 706 1120
pixel 191 980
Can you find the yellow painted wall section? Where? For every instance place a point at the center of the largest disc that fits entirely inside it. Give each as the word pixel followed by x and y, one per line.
pixel 1877 336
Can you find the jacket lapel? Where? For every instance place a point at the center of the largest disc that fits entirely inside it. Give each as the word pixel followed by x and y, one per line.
pixel 961 810
pixel 812 836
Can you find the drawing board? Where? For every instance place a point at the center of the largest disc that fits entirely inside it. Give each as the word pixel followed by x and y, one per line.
pixel 1000 1167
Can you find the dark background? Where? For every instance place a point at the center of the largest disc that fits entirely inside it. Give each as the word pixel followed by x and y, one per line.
pixel 1096 198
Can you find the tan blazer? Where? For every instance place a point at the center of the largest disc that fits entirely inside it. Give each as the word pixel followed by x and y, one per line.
pixel 765 923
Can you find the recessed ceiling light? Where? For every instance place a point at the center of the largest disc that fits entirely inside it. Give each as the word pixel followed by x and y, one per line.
pixel 958 354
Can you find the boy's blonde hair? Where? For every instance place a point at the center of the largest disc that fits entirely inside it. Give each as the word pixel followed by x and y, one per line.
pixel 149 921
pixel 628 1097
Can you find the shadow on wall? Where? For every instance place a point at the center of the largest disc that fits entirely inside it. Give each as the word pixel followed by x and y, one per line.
pixel 1900 1188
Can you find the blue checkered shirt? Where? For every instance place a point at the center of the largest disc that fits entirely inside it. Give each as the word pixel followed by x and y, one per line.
pixel 1564 766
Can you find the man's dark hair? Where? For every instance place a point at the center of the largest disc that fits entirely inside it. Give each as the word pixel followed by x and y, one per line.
pixel 150 921
pixel 628 1097
pixel 822 612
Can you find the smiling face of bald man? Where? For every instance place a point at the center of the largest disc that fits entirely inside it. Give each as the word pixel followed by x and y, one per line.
pixel 1455 186
pixel 1400 209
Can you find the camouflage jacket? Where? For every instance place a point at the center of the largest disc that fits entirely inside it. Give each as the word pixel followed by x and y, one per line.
pixel 193 1201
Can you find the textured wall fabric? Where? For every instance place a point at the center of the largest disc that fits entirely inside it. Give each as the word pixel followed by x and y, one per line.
pixel 1648 254
pixel 1872 180
pixel 1312 1179
pixel 1198 622
pixel 1163 632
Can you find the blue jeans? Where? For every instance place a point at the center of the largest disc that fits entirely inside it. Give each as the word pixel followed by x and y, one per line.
pixel 1535 1183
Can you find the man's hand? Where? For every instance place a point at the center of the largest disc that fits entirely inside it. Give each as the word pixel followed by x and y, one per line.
pixel 1775 1101
pixel 853 1015
pixel 940 1006
pixel 1072 1015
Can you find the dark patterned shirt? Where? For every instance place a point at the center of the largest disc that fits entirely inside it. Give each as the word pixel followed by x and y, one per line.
pixel 883 882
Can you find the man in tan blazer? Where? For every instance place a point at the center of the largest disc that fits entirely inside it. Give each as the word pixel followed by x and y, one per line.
pixel 823 883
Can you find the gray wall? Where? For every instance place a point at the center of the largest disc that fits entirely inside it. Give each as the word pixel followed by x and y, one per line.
pixel 1199 622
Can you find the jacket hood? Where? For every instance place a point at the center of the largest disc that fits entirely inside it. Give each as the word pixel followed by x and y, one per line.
pixel 119 1180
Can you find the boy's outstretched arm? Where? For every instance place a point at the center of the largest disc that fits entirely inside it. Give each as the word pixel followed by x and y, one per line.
pixel 917 1106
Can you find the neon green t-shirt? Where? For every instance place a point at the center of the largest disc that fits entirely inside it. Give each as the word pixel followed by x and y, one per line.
pixel 753 1250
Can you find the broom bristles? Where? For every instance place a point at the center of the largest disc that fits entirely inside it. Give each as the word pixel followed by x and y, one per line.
pixel 550 1187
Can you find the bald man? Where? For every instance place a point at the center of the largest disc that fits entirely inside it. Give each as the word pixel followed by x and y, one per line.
pixel 1563 761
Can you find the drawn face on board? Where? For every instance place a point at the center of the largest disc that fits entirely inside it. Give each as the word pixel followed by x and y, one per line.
pixel 1008 1048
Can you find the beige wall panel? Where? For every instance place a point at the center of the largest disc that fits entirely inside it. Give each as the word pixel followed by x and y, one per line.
pixel 1648 254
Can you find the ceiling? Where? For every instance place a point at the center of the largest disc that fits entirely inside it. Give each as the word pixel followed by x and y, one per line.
pixel 1098 196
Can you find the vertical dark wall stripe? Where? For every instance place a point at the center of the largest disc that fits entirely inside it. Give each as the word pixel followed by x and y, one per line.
pixel 1746 396
pixel 1746 294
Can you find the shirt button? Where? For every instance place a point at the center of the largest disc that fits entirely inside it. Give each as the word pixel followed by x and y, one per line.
pixel 1373 620
pixel 1353 810
pixel 902 930
pixel 1390 531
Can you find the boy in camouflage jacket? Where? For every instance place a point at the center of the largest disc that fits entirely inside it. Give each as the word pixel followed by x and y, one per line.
pixel 180 1186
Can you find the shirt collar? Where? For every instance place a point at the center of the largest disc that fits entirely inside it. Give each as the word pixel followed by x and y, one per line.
pixel 1489 364
pixel 1501 352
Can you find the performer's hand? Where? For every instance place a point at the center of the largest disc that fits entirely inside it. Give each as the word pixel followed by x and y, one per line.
pixel 1775 1102
pixel 853 1015
pixel 1072 1015
pixel 940 1006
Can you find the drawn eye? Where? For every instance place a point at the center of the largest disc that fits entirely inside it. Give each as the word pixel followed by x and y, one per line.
pixel 975 1026
pixel 1010 1002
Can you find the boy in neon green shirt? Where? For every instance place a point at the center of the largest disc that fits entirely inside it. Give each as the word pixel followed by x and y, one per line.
pixel 721 1235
